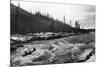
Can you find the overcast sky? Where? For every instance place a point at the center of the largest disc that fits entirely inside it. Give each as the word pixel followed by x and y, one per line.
pixel 84 13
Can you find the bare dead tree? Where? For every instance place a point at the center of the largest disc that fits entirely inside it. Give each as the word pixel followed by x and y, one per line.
pixel 70 23
pixel 17 17
pixel 64 24
pixel 77 25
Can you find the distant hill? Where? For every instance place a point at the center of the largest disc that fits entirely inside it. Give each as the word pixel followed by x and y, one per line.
pixel 23 22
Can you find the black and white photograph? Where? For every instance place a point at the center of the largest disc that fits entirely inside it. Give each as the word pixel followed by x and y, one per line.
pixel 43 33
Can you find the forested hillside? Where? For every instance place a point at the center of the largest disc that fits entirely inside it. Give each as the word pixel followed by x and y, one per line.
pixel 23 22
